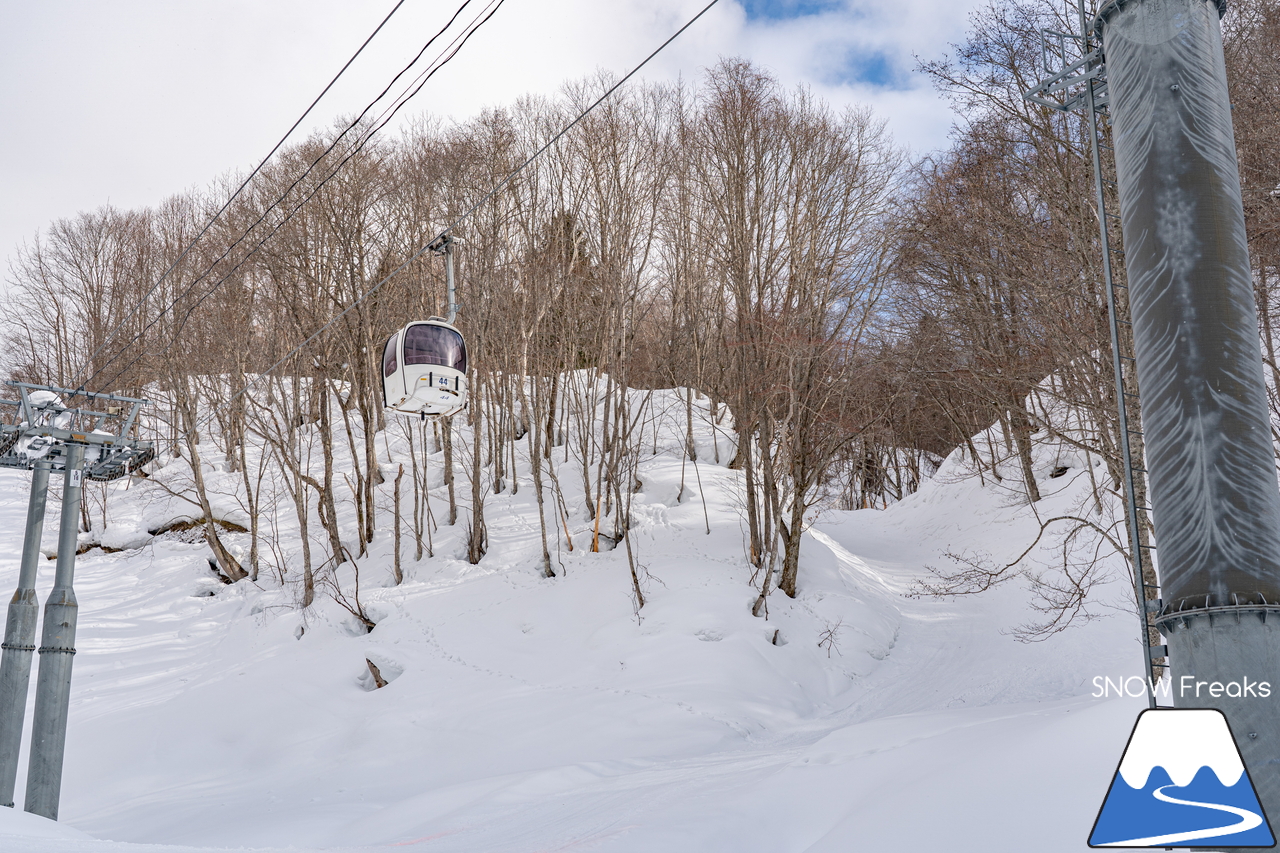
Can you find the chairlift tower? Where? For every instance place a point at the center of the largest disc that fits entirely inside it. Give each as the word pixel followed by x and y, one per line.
pixel 41 434
pixel 1155 69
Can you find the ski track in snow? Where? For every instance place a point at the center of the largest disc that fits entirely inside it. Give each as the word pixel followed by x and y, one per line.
pixel 536 715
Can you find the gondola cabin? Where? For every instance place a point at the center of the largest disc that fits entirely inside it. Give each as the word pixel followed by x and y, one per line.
pixel 424 369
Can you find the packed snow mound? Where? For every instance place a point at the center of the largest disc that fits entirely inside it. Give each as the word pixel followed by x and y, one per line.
pixel 524 713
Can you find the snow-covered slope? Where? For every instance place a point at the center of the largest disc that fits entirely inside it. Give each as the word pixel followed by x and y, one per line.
pixel 532 714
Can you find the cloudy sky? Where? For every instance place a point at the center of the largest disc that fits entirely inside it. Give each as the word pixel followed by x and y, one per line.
pixel 128 101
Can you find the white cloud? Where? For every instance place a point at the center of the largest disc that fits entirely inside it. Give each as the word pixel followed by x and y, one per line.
pixel 127 102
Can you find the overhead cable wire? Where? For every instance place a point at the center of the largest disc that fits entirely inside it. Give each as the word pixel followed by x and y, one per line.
pixel 111 334
pixel 415 85
pixel 457 221
pixel 383 120
pixel 363 140
pixel 272 206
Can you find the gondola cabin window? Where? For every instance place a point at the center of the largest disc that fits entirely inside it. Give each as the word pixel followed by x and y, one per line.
pixel 430 344
pixel 389 362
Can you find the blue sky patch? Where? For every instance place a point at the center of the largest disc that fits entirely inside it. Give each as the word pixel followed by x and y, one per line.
pixel 782 10
pixel 867 65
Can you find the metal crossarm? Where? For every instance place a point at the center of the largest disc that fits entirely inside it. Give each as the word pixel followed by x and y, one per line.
pixel 1086 68
pixel 44 429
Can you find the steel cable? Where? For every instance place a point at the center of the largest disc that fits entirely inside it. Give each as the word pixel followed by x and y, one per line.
pixel 111 334
pixel 354 123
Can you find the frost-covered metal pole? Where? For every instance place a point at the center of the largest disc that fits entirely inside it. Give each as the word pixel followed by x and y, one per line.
pixel 448 275
pixel 57 649
pixel 1216 506
pixel 19 638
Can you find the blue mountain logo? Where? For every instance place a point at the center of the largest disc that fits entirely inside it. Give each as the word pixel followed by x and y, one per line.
pixel 1181 783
